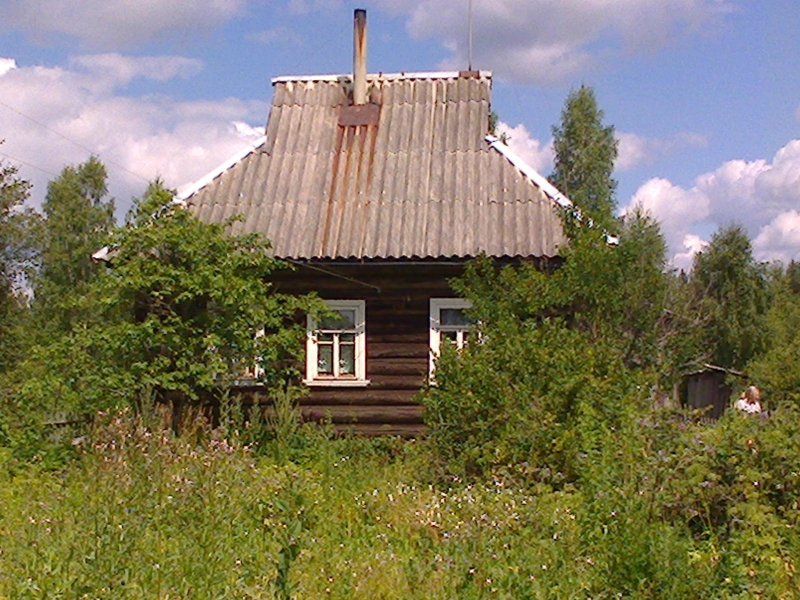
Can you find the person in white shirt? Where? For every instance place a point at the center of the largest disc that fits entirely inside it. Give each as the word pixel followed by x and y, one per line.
pixel 750 401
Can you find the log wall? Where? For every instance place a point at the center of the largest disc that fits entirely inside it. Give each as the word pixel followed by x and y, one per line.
pixel 397 309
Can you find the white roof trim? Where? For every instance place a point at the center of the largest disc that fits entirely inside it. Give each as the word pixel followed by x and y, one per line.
pixel 539 180
pixel 529 172
pixel 102 255
pixel 208 178
pixel 378 76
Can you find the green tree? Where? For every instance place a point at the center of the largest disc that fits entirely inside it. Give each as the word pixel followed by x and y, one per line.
pixel 736 288
pixel 565 358
pixel 776 370
pixel 77 221
pixel 185 307
pixel 177 315
pixel 16 252
pixel 585 151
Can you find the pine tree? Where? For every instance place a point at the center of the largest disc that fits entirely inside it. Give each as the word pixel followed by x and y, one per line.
pixel 585 151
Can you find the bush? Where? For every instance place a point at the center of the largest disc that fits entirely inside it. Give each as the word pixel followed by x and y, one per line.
pixel 559 362
pixel 518 399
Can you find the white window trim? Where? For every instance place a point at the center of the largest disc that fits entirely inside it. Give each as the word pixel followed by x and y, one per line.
pixel 359 379
pixel 255 371
pixel 435 328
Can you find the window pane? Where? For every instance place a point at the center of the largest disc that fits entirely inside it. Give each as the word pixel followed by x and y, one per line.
pixel 453 316
pixel 450 336
pixel 325 359
pixel 324 337
pixel 347 338
pixel 345 320
pixel 347 359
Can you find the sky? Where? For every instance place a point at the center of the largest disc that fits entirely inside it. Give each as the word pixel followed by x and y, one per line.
pixel 704 95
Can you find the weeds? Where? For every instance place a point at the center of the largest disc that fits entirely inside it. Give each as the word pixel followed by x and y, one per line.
pixel 144 513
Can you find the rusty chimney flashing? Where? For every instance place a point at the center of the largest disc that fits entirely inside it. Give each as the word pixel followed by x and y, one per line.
pixel 360 56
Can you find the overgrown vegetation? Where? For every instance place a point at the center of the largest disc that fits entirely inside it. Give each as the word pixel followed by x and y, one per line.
pixel 671 510
pixel 558 463
pixel 183 310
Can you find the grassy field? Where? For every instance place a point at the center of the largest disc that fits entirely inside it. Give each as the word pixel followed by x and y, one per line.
pixel 141 513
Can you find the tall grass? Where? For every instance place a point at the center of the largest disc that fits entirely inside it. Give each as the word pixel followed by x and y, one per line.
pixel 145 514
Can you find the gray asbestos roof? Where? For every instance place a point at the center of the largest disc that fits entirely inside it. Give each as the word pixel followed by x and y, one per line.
pixel 422 180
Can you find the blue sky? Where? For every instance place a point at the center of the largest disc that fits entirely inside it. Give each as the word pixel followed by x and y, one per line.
pixel 704 94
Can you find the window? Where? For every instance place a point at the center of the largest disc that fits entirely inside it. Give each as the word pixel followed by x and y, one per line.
pixel 254 371
pixel 335 346
pixel 448 324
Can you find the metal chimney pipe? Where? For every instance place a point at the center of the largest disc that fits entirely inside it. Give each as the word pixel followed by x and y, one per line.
pixel 360 56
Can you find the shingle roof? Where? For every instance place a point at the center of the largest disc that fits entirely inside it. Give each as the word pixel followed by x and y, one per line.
pixel 420 181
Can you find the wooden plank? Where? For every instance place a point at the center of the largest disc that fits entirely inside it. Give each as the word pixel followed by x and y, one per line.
pixel 383 350
pixel 378 335
pixel 391 366
pixel 364 414
pixel 375 430
pixel 356 396
pixel 397 382
pixel 398 330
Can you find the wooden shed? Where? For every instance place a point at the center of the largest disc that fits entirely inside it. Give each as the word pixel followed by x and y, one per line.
pixel 379 188
pixel 708 389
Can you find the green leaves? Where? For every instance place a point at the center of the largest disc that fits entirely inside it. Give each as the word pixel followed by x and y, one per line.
pixel 15 256
pixel 736 286
pixel 561 360
pixel 777 368
pixel 181 312
pixel 585 151
pixel 186 301
pixel 77 222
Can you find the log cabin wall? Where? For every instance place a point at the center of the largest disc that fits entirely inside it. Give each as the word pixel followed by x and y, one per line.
pixel 397 312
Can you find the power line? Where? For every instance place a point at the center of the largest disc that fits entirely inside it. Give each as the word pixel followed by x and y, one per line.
pixel 71 141
pixel 27 164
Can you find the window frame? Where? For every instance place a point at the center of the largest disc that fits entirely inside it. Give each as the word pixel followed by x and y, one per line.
pixel 359 377
pixel 435 328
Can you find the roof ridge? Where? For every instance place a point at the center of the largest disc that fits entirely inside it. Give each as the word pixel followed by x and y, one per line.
pixel 528 171
pixel 380 76
pixel 196 186
pixel 543 183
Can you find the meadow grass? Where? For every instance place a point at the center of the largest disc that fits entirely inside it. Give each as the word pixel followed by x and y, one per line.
pixel 142 513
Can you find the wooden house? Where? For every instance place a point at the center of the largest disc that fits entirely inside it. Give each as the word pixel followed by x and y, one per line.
pixel 379 188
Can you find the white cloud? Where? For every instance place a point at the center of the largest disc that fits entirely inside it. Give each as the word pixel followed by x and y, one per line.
pixel 692 244
pixel 302 7
pixel 546 41
pixel 276 35
pixel 780 239
pixel 672 205
pixel 119 69
pixel 115 23
pixel 6 64
pixel 73 113
pixel 636 151
pixel 761 195
pixel 529 149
